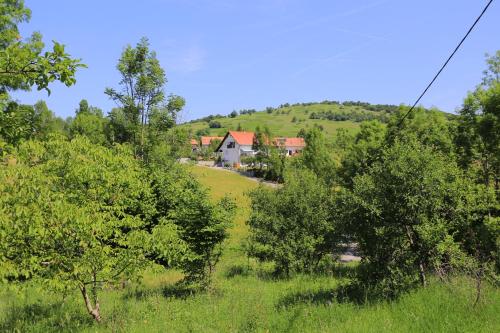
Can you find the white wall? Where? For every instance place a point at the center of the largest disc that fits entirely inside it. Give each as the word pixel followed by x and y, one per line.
pixel 293 149
pixel 233 155
pixel 230 155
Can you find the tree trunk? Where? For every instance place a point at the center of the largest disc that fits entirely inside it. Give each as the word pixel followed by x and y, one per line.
pixel 421 266
pixel 93 311
pixel 479 277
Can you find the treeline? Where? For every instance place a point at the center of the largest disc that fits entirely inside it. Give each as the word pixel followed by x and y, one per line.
pixel 356 116
pixel 92 201
pixel 233 114
pixel 419 198
pixel 365 105
pixel 360 116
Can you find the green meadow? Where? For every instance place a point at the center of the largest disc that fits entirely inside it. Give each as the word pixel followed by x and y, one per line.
pixel 245 297
pixel 280 120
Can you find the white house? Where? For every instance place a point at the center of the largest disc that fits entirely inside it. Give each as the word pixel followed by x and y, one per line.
pixel 236 144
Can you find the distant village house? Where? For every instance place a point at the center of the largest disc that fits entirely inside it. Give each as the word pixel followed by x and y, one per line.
pixel 206 140
pixel 194 145
pixel 235 145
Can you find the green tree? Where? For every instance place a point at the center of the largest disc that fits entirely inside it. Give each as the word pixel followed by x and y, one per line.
pixel 67 217
pixel 408 212
pixel 119 127
pixel 316 156
pixel 203 132
pixel 141 95
pixel 90 122
pixel 293 225
pixel 276 164
pixel 161 126
pixel 46 122
pixel 23 64
pixel 200 224
pixel 365 150
pixel 214 124
pixel 17 123
pixel 170 146
pixel 262 145
pixel 431 127
pixel 20 122
pixel 478 129
pixel 302 133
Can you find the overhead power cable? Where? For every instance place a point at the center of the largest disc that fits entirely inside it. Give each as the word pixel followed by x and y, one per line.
pixel 446 63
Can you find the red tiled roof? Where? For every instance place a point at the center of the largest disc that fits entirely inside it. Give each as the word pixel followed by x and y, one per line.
pixel 295 142
pixel 242 138
pixel 205 140
pixel 194 142
pixel 246 138
pixel 290 142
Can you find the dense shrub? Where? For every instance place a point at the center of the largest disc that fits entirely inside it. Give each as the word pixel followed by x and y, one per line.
pixel 214 124
pixel 293 226
pixel 408 212
pixel 201 225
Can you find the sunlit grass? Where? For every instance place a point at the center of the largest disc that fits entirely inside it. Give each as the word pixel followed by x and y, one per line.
pixel 224 182
pixel 281 124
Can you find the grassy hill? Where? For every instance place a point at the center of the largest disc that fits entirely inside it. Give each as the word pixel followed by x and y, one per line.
pixel 287 120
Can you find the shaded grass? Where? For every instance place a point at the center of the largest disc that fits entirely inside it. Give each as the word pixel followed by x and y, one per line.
pixel 250 304
pixel 246 297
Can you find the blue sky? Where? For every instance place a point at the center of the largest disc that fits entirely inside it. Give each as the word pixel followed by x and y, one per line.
pixel 223 55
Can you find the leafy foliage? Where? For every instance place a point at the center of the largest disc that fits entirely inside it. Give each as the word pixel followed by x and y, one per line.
pixel 23 122
pixel 144 110
pixel 478 130
pixel 360 155
pixel 22 64
pixel 201 225
pixel 407 212
pixel 89 122
pixel 67 216
pixel 316 156
pixel 293 226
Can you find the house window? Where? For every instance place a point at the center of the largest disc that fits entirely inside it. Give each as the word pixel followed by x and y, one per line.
pixel 230 145
pixel 289 152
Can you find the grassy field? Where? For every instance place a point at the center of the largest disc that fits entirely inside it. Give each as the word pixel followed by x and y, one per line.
pixel 245 297
pixel 281 124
